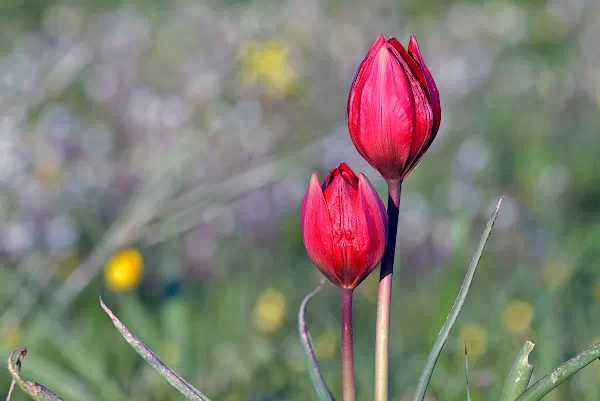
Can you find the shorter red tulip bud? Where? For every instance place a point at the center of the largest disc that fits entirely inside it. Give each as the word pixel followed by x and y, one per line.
pixel 344 226
pixel 393 108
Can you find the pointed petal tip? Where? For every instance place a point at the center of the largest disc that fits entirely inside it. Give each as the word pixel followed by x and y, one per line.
pixel 314 180
pixel 310 192
pixel 376 45
pixel 379 38
pixel 362 177
pixel 364 180
pixel 413 48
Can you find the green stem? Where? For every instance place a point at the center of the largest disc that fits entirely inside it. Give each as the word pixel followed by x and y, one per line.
pixel 560 374
pixel 385 294
pixel 348 386
pixel 520 374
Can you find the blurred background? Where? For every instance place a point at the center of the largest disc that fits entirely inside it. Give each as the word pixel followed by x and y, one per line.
pixel 155 153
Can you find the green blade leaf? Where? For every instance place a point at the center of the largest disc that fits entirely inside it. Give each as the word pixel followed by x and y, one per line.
pixel 174 380
pixel 560 374
pixel 467 373
pixel 35 390
pixel 323 392
pixel 519 375
pixel 451 319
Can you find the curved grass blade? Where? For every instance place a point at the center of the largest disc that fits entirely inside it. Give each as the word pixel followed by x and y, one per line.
pixel 323 392
pixel 451 319
pixel 174 380
pixel 519 375
pixel 35 390
pixel 547 383
pixel 467 373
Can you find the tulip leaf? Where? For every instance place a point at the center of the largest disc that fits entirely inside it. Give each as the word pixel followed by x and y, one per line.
pixel 146 353
pixel 323 392
pixel 547 383
pixel 519 375
pixel 451 319
pixel 35 390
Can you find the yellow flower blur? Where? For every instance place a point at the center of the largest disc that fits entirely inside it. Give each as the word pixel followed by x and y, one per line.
pixel 270 311
pixel 267 63
pixel 170 352
pixel 475 337
pixel 326 345
pixel 10 335
pixel 124 271
pixel 555 275
pixel 517 316
pixel 49 174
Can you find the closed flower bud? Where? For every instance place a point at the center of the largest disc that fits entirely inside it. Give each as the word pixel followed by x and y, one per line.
pixel 344 226
pixel 393 108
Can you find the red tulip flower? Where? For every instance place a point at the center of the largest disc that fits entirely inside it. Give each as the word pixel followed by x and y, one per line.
pixel 393 108
pixel 344 226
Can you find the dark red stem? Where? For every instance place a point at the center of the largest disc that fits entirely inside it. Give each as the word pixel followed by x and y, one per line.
pixel 348 386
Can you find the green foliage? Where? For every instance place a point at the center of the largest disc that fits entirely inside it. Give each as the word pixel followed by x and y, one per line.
pixel 442 337
pixel 520 118
pixel 518 378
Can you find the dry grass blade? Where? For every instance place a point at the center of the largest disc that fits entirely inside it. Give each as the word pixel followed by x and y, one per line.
pixel 185 388
pixel 35 390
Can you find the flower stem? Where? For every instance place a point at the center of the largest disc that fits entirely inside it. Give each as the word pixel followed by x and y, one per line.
pixel 385 295
pixel 347 346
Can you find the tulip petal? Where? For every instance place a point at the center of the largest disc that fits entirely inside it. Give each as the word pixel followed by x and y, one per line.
pixel 317 230
pixel 379 41
pixel 371 231
pixel 382 113
pixel 434 95
pixel 344 170
pixel 423 117
pixel 414 65
pixel 342 202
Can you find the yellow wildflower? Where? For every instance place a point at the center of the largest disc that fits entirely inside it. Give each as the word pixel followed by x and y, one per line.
pixel 268 64
pixel 517 316
pixel 124 271
pixel 475 337
pixel 270 311
pixel 326 344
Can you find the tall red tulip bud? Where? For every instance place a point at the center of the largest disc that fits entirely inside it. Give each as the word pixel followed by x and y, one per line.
pixel 393 108
pixel 344 226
